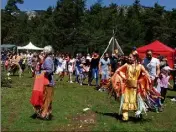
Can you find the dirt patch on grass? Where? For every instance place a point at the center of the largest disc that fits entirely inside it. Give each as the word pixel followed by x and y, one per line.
pixel 80 122
pixel 12 117
pixel 3 129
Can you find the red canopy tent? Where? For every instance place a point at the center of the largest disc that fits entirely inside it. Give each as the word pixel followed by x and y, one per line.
pixel 175 57
pixel 158 48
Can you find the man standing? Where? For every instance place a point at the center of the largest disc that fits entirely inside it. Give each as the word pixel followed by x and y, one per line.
pixel 94 68
pixel 114 61
pixel 152 65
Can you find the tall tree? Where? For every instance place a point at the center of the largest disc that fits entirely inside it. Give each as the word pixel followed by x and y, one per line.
pixel 70 27
pixel 12 5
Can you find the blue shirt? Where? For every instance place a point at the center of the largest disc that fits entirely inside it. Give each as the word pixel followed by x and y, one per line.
pixel 48 66
pixel 105 64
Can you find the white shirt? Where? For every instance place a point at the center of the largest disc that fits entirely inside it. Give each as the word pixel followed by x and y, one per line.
pixel 64 64
pixel 150 66
pixel 71 65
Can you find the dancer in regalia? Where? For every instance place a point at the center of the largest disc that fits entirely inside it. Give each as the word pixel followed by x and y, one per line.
pixel 131 82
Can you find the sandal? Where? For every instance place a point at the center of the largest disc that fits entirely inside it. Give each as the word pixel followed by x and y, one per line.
pixel 34 116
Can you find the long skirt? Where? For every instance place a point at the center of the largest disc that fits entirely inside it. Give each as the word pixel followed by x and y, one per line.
pixel 130 102
pixel 47 101
pixel 43 108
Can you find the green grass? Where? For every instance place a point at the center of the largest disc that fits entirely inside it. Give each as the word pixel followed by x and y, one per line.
pixel 68 104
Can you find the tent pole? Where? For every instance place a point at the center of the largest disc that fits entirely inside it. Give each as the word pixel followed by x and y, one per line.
pixel 113 42
pixel 118 46
pixel 107 47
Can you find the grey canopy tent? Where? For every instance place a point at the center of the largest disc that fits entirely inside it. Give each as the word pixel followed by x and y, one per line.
pixel 8 46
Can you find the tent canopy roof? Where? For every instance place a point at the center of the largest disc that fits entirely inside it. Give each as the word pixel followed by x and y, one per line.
pixel 8 46
pixel 157 46
pixel 30 46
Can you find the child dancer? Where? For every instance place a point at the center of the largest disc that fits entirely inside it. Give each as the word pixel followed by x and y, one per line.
pixel 163 82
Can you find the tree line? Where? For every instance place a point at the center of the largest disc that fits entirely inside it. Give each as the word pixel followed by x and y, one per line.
pixel 70 27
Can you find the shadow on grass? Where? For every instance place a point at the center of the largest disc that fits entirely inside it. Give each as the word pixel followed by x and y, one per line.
pixel 171 89
pixel 14 75
pixel 170 97
pixel 90 85
pixel 119 117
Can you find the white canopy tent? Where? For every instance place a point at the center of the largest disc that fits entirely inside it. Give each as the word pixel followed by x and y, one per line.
pixel 29 46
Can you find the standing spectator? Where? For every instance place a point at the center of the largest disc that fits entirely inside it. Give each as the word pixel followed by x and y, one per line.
pixel 86 69
pixel 163 62
pixel 67 58
pixel 29 60
pixel 55 63
pixel 88 57
pixel 71 68
pixel 59 64
pixel 64 67
pixel 105 69
pixel 34 63
pixel 78 68
pixel 114 61
pixel 94 68
pixel 3 58
pixel 152 65
pixel 85 65
pixel 7 64
pixel 42 97
pixel 59 69
pixel 23 64
pixel 38 65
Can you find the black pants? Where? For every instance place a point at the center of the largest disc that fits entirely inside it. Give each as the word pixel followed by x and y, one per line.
pixel 163 94
pixel 90 76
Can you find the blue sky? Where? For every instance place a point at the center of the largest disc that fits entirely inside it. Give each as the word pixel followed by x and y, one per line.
pixel 43 4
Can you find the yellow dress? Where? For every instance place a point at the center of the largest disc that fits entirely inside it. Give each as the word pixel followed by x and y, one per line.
pixel 130 94
pixel 133 88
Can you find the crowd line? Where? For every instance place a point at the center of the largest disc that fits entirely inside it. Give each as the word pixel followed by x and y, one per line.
pixel 80 67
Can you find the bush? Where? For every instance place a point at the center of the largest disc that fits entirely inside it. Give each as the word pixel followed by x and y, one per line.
pixel 6 81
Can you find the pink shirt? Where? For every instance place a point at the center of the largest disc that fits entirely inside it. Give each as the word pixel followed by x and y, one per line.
pixel 163 81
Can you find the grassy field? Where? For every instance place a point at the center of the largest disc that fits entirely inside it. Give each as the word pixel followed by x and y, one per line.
pixel 68 104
